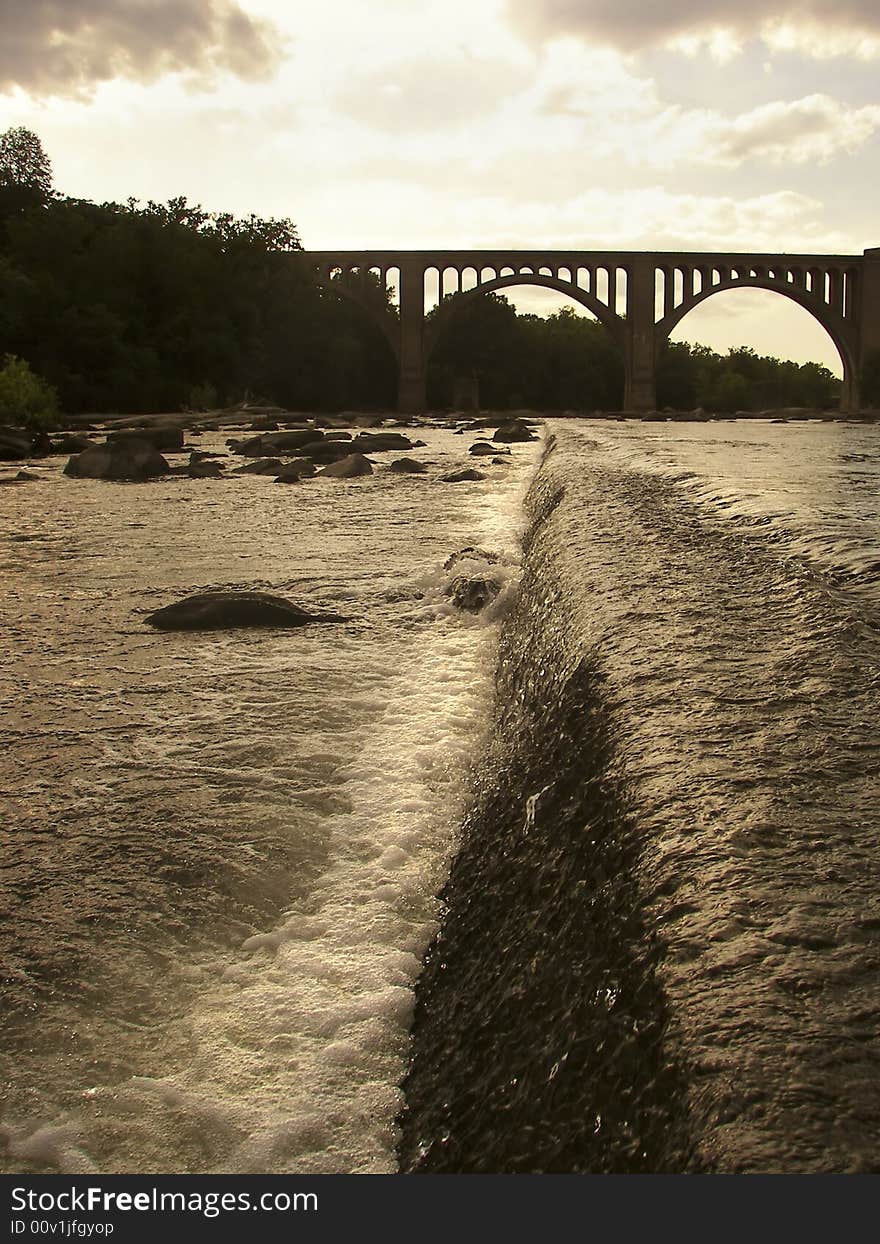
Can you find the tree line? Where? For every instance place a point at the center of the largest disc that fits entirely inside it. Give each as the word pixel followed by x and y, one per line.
pixel 134 308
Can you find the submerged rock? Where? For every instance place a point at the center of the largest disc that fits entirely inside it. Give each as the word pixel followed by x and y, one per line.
pixel 472 594
pixel 462 476
pixel 262 466
pixel 118 460
pixel 293 472
pixel 408 466
pixel 482 449
pixel 380 442
pixel 471 553
pixel 23 477
pixel 514 431
pixel 214 611
pixel 351 467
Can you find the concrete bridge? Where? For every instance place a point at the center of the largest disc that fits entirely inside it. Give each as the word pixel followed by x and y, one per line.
pixel 639 296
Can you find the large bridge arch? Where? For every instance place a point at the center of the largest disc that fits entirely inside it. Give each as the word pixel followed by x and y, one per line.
pixel 450 306
pixel 497 384
pixel 825 316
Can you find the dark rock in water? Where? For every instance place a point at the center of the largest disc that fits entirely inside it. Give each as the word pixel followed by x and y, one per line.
pixel 262 466
pixel 514 431
pixel 23 477
pixel 70 444
pixel 275 443
pixel 380 442
pixel 337 436
pixel 264 425
pixel 472 595
pixel 500 462
pixel 15 444
pixel 205 470
pixel 214 611
pixel 162 436
pixel 325 451
pixel 462 476
pixel 348 468
pixel 118 460
pixel 471 553
pixel 408 466
pixel 482 449
pixel 293 472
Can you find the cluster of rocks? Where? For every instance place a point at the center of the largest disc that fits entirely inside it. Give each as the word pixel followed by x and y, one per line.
pixel 271 442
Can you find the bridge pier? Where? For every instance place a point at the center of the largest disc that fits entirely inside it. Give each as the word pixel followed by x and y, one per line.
pixel 411 395
pixel 640 390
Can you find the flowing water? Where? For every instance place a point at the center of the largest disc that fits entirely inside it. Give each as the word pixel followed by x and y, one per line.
pixel 223 851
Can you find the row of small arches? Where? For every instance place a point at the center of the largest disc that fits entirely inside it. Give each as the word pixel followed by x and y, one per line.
pixel 834 287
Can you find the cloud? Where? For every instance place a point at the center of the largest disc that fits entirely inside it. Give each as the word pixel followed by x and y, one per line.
pixel 815 27
pixel 67 47
pixel 799 131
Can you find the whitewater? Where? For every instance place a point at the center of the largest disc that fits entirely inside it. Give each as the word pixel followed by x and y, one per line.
pixel 583 883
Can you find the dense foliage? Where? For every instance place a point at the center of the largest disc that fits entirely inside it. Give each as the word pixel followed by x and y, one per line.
pixel 25 399
pixel 123 307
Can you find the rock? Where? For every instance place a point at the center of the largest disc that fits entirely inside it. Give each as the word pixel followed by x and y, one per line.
pixel 205 470
pixel 293 472
pixel 472 594
pixel 118 460
pixel 509 433
pixel 482 449
pixel 15 444
pixel 348 468
pixel 262 466
pixel 264 425
pixel 325 451
pixel 470 553
pixel 462 476
pixel 212 611
pixel 380 442
pixel 162 436
pixel 22 477
pixel 337 436
pixel 70 444
pixel 500 462
pixel 408 466
pixel 275 443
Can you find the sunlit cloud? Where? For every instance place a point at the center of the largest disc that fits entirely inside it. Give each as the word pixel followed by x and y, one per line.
pixel 814 27
pixel 66 49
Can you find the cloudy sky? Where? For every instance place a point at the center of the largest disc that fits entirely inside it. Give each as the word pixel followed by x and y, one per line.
pixel 698 124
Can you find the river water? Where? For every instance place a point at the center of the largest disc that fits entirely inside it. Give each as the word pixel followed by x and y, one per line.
pixel 639 795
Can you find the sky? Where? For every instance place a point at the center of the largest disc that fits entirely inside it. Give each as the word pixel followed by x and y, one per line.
pixel 571 124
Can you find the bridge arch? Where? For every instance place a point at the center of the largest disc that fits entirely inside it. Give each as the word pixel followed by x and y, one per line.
pixel 579 379
pixel 830 320
pixel 603 313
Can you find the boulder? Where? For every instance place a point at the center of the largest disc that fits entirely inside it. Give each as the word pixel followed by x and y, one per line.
pixel 348 468
pixel 408 466
pixel 70 444
pixel 275 443
pixel 262 466
pixel 118 460
pixel 323 452
pixel 482 449
pixel 293 472
pixel 380 442
pixel 472 594
pixel 162 436
pixel 212 611
pixel 15 444
pixel 514 431
pixel 21 478
pixel 337 436
pixel 462 476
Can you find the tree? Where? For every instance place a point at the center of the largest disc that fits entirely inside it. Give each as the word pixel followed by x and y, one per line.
pixel 25 398
pixel 24 164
